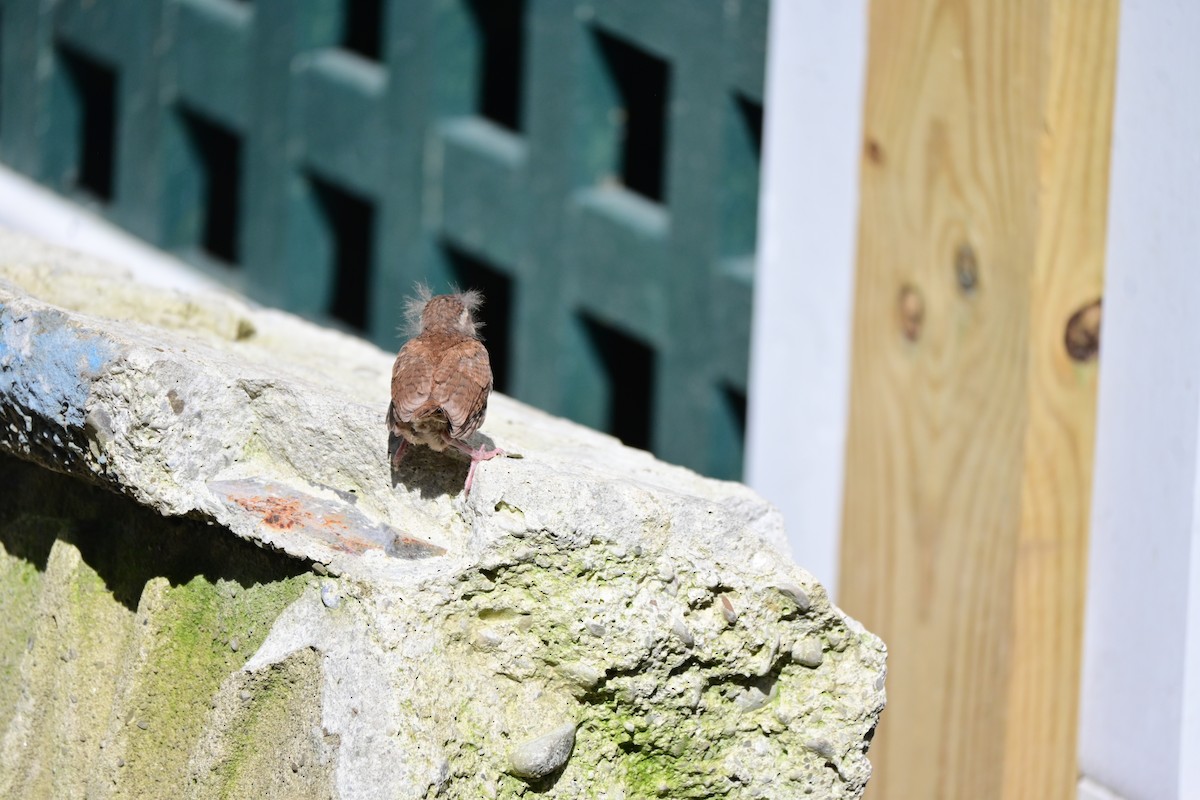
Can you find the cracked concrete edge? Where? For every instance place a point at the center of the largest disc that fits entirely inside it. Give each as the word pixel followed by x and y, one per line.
pixel 186 392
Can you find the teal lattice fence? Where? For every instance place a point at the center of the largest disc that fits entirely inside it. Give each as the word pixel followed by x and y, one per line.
pixel 593 167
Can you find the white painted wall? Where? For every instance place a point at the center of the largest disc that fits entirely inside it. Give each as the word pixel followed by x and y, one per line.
pixel 1140 710
pixel 807 234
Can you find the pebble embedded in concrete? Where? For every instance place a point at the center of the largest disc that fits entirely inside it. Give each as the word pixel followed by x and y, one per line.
pixel 798 596
pixel 752 699
pixel 583 674
pixel 727 609
pixel 680 629
pixel 330 596
pixel 808 653
pixel 487 638
pixel 544 755
pixel 822 747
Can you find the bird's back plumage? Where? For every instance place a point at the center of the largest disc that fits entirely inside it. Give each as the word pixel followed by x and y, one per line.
pixel 441 378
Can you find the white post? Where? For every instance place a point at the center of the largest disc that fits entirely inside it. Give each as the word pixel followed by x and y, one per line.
pixel 1140 709
pixel 807 234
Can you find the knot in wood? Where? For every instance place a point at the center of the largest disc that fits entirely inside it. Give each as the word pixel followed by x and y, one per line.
pixel 1082 335
pixel 910 304
pixel 966 268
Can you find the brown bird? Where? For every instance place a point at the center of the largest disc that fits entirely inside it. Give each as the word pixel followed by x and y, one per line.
pixel 442 378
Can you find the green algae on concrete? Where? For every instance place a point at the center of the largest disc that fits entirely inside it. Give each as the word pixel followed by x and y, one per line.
pixel 264 737
pixel 20 583
pixel 201 633
pixel 67 673
pixel 118 628
pixel 637 647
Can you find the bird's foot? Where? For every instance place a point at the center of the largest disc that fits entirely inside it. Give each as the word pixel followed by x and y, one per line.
pixel 480 453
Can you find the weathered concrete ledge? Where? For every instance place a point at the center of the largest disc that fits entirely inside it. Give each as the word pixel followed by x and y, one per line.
pixel 590 622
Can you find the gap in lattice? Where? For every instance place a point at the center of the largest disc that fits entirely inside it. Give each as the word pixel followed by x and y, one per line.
pixel 218 152
pixel 751 114
pixel 740 184
pixel 351 221
pixel 642 82
pixel 500 25
pixel 94 90
pixel 361 28
pixel 733 407
pixel 629 368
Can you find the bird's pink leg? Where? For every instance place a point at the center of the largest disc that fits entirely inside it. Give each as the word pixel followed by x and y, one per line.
pixel 481 453
pixel 399 454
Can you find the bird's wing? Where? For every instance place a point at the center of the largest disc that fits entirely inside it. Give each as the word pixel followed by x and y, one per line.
pixel 461 385
pixel 412 380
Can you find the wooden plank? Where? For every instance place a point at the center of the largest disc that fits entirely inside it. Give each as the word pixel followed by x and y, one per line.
pixel 1051 564
pixel 1139 726
pixel 968 458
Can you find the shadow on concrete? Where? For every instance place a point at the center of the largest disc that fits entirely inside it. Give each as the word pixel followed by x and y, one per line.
pixel 427 473
pixel 126 543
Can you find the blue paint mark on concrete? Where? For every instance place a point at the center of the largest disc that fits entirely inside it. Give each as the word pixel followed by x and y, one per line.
pixel 47 365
